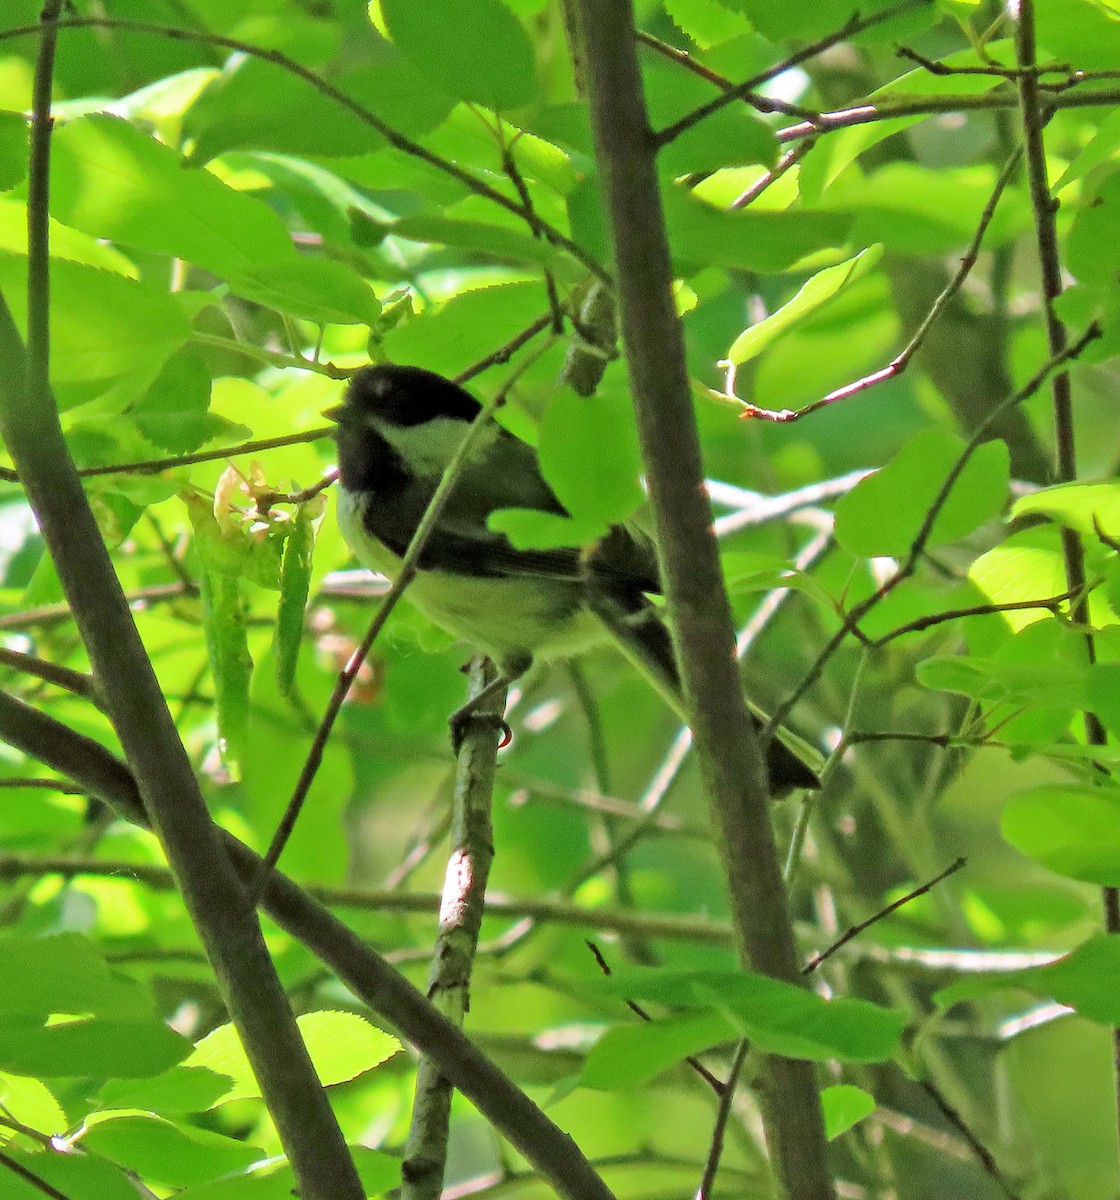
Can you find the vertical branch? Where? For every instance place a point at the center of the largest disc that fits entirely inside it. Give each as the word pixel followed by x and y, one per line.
pixel 726 746
pixel 229 930
pixel 464 899
pixel 1045 206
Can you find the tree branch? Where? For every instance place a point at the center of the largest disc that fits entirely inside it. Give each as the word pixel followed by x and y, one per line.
pixel 369 977
pixel 461 910
pixel 726 745
pixel 230 932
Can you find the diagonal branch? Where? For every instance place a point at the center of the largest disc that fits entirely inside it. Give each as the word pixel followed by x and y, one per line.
pixel 384 990
pixel 853 26
pixel 231 934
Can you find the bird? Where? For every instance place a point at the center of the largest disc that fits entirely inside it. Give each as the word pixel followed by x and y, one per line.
pixel 397 428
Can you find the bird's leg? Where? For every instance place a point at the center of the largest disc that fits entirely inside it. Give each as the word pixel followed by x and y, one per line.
pixel 511 669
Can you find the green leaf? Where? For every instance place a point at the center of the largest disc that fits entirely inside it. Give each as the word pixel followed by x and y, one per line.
pixel 96 1046
pixel 1072 830
pixel 104 327
pixel 13 149
pixel 112 181
pixel 589 455
pixel 914 210
pixel 844 1106
pixel 342 1046
pixel 732 136
pixel 467 327
pixel 812 295
pixel 746 240
pixel 1085 980
pixel 781 21
pixel 629 1056
pixel 482 236
pixel 780 1018
pixel 1097 151
pixel 165 1154
pixel 1071 1122
pixel 66 243
pixel 1103 694
pixel 1091 253
pixel 476 52
pixel 883 513
pixel 1088 34
pixel 31 1103
pixel 295 585
pixel 380 1173
pixel 1080 506
pixel 174 414
pixel 1042 683
pixel 258 105
pixel 1029 565
pixel 310 289
pixel 178 1090
pixel 71 1175
pixel 64 973
pixel 707 22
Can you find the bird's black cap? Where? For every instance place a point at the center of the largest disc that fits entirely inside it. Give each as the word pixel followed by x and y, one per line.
pixel 406 396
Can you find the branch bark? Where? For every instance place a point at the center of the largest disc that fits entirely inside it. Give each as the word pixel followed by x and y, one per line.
pixel 215 897
pixel 387 993
pixel 460 919
pixel 728 751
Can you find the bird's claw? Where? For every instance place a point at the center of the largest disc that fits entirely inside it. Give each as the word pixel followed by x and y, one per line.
pixel 460 722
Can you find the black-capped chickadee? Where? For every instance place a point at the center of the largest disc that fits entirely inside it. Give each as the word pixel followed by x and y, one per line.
pixel 398 428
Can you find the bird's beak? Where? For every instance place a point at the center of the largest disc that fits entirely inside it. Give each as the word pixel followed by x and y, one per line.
pixel 335 413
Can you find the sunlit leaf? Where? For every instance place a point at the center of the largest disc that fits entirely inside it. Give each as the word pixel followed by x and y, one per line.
pixel 1072 830
pixel 884 513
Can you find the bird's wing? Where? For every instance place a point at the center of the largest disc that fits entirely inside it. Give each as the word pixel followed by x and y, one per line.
pixel 508 476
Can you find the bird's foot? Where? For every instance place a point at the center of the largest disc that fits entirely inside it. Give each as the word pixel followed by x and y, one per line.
pixel 463 718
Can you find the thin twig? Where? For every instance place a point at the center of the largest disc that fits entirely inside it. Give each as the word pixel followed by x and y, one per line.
pixel 857 929
pixel 790 159
pixel 669 926
pixel 56 614
pixel 1073 550
pixel 766 104
pixel 504 353
pixel 943 69
pixel 853 26
pixel 902 360
pixel 907 568
pixel 711 1080
pixel 1050 603
pixel 719 1129
pixel 78 683
pixel 31 1178
pixel 151 465
pixel 983 1154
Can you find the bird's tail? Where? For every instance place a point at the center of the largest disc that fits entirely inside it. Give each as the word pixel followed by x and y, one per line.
pixel 643 637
